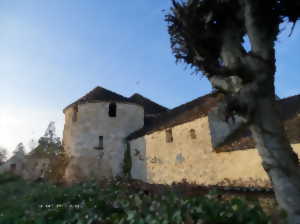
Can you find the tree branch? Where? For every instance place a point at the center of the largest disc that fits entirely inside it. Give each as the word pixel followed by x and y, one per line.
pixel 262 30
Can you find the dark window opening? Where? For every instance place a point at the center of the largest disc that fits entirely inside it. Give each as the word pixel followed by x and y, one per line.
pixel 13 167
pixel 112 110
pixel 193 134
pixel 75 113
pixel 100 143
pixel 169 135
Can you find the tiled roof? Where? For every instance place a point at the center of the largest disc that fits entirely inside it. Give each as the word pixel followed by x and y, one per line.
pixel 100 94
pixel 242 139
pixel 290 114
pixel 181 114
pixel 150 107
pixel 289 107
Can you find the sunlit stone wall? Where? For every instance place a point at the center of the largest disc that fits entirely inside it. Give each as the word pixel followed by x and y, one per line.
pixel 192 158
pixel 81 138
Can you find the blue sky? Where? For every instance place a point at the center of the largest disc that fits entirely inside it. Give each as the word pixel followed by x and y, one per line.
pixel 53 52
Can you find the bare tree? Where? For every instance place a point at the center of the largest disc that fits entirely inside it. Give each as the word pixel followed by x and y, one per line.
pixel 50 135
pixel 49 143
pixel 32 144
pixel 20 150
pixel 208 35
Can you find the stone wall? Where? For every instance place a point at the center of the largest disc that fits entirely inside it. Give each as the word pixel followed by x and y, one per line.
pixel 14 165
pixel 27 167
pixel 192 158
pixel 81 138
pixel 35 168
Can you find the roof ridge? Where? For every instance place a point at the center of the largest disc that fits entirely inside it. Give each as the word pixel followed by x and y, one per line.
pixel 289 97
pixel 140 95
pixel 100 93
pixel 102 88
pixel 194 100
pixel 187 112
pixel 150 106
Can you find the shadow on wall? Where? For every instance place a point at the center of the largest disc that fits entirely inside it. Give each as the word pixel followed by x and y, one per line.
pixel 87 167
pixel 139 160
pixel 35 168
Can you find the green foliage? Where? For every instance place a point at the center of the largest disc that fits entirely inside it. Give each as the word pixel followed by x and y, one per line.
pixel 7 177
pixel 127 163
pixel 49 144
pixel 116 202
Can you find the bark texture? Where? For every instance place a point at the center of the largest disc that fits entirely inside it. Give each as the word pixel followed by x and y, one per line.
pixel 208 35
pixel 279 160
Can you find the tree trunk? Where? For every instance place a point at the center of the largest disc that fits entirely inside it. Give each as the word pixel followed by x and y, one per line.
pixel 278 158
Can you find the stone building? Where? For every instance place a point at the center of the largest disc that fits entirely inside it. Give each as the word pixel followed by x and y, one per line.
pixel 166 145
pixel 26 166
pixel 95 132
pixel 15 164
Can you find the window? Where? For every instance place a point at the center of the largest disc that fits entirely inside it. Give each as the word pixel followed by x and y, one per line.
pixel 100 143
pixel 75 113
pixel 13 167
pixel 169 136
pixel 112 110
pixel 193 134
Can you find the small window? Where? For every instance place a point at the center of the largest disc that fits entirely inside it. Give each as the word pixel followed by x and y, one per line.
pixel 169 136
pixel 112 110
pixel 75 113
pixel 13 167
pixel 193 134
pixel 100 143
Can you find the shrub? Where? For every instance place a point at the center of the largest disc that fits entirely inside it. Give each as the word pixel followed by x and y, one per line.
pixel 117 202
